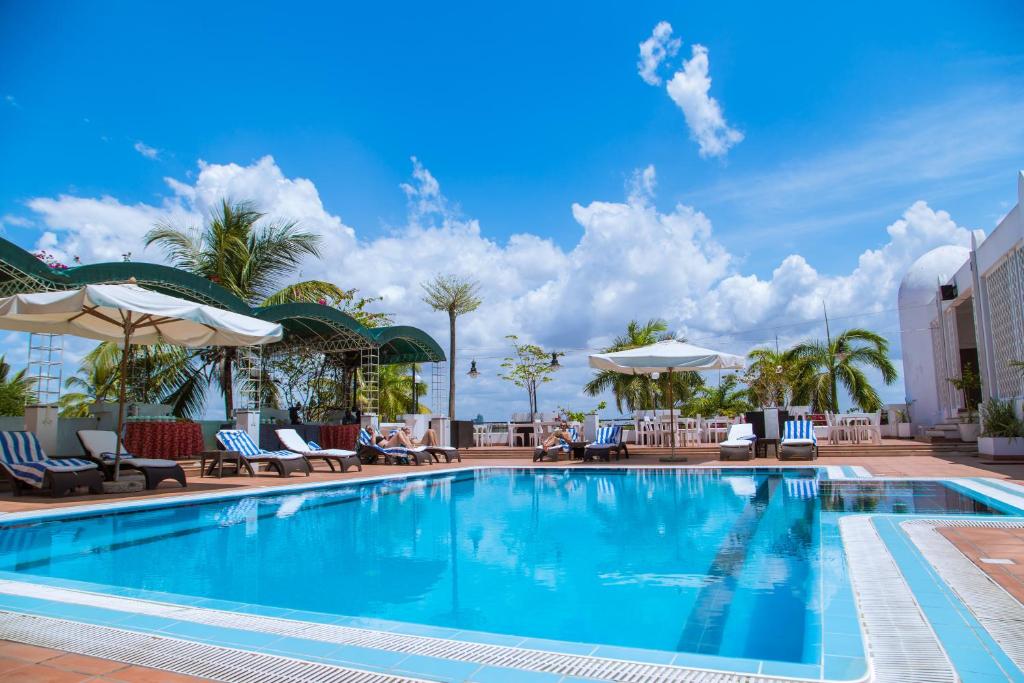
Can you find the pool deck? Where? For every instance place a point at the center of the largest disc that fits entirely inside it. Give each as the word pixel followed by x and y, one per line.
pixel 1006 545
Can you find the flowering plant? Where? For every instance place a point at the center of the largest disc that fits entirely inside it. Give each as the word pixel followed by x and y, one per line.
pixel 50 260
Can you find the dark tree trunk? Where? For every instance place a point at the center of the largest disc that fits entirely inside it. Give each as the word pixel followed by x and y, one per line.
pixel 451 365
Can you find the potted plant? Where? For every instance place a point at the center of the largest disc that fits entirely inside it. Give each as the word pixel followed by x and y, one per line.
pixel 1003 433
pixel 902 424
pixel 969 384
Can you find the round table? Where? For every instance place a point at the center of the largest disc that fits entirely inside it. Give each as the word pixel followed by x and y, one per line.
pixel 339 436
pixel 164 440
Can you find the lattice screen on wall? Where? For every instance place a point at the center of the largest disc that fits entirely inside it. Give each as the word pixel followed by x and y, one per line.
pixel 956 398
pixel 940 369
pixel 1005 285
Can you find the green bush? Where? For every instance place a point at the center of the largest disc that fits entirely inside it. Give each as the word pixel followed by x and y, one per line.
pixel 999 419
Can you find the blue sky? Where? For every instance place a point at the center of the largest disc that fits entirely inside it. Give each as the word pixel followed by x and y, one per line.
pixel 849 115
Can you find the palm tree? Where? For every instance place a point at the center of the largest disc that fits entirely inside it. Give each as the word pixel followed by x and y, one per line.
pixel 395 391
pixel 821 366
pixel 640 392
pixel 248 260
pixel 728 398
pixel 456 296
pixel 15 390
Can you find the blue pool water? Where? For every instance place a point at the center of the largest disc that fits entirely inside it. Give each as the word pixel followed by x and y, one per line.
pixel 719 562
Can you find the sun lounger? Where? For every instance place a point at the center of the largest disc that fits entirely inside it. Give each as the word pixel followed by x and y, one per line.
pixel 739 444
pixel 798 441
pixel 22 457
pixel 99 447
pixel 291 440
pixel 438 452
pixel 370 453
pixel 608 443
pixel 561 447
pixel 284 462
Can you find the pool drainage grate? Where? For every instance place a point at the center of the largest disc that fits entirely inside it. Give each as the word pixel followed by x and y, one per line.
pixel 995 609
pixel 901 643
pixel 180 656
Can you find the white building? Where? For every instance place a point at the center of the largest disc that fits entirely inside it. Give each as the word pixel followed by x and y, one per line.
pixel 960 306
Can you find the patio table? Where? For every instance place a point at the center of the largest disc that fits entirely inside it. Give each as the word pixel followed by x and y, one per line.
pixel 164 440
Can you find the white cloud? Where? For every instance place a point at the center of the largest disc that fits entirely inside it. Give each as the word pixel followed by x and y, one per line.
pixel 655 50
pixel 14 220
pixel 633 260
pixel 9 99
pixel 689 90
pixel 146 151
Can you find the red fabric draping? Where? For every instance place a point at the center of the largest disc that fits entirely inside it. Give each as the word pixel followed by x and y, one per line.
pixel 168 440
pixel 339 436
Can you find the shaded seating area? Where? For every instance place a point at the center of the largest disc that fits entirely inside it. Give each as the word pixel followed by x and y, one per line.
pixel 291 440
pixel 30 469
pixel 100 447
pixel 283 462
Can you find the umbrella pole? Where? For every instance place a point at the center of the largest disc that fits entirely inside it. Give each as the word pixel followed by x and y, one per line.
pixel 672 423
pixel 122 396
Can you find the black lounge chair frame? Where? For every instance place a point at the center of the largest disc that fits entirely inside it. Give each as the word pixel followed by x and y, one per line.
pixel 803 451
pixel 60 483
pixel 152 475
pixel 345 462
pixel 604 452
pixel 372 454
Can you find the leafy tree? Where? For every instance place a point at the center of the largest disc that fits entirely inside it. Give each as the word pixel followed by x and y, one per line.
pixel 15 390
pixel 727 398
pixel 249 257
pixel 641 392
pixel 769 377
pixel 456 296
pixel 821 366
pixel 528 367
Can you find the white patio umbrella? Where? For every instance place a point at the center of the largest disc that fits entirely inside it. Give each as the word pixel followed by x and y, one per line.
pixel 666 356
pixel 129 314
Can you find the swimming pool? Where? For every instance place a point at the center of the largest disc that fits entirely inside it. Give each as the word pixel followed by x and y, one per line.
pixel 734 563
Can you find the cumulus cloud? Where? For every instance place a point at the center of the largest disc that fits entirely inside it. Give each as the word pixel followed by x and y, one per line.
pixel 633 260
pixel 146 151
pixel 655 50
pixel 689 89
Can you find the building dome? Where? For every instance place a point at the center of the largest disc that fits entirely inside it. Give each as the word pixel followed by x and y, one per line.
pixel 924 275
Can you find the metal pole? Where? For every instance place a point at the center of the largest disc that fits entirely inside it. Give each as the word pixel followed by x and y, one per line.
pixel 122 393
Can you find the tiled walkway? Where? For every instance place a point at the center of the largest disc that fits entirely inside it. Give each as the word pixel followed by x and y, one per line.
pixel 1002 548
pixel 21 663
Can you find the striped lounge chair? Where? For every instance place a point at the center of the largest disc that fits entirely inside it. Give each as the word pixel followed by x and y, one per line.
pixel 284 462
pixel 291 440
pixel 99 446
pixel 739 443
pixel 370 453
pixel 609 441
pixel 561 447
pixel 447 452
pixel 798 441
pixel 22 457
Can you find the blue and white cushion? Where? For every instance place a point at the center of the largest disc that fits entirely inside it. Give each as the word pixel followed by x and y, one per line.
pixel 799 432
pixel 366 440
pixel 238 440
pixel 607 436
pixel 22 455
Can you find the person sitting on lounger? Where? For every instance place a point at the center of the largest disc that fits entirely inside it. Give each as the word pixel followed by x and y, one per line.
pixel 403 437
pixel 377 438
pixel 557 436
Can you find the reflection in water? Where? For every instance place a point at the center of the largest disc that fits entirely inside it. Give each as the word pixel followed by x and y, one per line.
pixel 672 559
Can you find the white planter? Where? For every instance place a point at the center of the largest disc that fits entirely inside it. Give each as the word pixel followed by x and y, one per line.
pixel 903 430
pixel 969 431
pixel 1001 446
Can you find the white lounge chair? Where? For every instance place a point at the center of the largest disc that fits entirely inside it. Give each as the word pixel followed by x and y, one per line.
pixel 739 443
pixel 798 441
pixel 284 462
pixel 291 440
pixel 100 446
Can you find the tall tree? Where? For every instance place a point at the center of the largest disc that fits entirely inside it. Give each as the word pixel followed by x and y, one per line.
pixel 640 392
pixel 397 392
pixel 528 367
pixel 250 257
pixel 456 296
pixel 769 377
pixel 821 366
